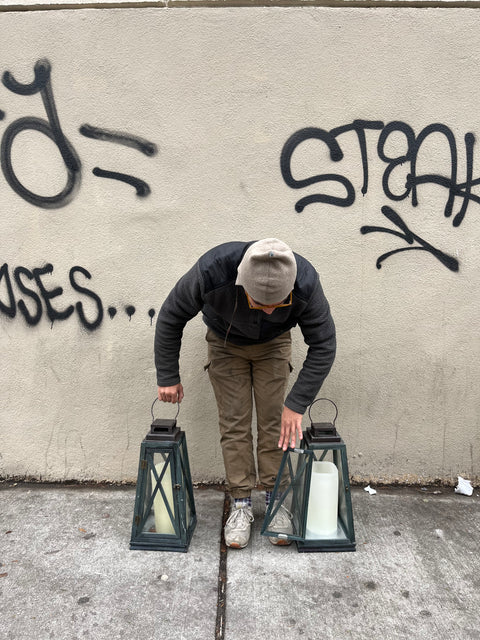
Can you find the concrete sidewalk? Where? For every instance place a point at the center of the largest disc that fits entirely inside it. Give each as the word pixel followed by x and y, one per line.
pixel 66 572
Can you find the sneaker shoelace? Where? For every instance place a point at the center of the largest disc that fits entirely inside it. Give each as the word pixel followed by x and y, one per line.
pixel 240 518
pixel 282 518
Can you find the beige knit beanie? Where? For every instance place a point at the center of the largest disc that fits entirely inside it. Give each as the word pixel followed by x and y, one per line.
pixel 267 271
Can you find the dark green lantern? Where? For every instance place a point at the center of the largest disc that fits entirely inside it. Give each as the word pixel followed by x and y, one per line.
pixel 164 517
pixel 313 486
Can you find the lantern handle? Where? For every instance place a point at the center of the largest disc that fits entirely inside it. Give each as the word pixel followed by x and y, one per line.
pixel 153 404
pixel 328 400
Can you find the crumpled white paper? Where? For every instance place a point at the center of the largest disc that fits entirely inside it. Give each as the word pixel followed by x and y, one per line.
pixel 464 487
pixel 371 491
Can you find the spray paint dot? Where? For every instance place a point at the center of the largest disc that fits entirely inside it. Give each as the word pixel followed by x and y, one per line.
pixel 130 310
pixel 151 313
pixel 112 312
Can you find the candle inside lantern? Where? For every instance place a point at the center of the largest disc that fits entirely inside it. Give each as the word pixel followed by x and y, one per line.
pixel 323 500
pixel 163 524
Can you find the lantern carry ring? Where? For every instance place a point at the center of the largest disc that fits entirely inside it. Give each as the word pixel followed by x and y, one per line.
pixel 328 400
pixel 153 404
pixel 322 431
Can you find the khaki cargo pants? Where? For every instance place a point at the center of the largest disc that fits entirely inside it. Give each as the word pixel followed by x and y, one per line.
pixel 238 375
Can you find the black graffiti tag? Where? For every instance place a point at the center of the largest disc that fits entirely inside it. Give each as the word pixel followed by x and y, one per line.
pixel 28 292
pixel 136 142
pixel 34 291
pixel 51 128
pixel 407 161
pixel 410 238
pixel 97 321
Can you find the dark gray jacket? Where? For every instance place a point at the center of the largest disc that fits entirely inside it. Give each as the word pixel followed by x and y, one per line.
pixel 209 286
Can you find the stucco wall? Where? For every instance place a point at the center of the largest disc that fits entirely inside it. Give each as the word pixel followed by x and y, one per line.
pixel 224 116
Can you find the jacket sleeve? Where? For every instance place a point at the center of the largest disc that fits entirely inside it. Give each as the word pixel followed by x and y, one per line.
pixel 318 329
pixel 182 304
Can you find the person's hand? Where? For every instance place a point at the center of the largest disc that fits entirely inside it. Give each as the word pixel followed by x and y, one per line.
pixel 291 428
pixel 171 394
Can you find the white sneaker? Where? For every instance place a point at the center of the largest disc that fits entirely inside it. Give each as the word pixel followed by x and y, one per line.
pixel 281 523
pixel 238 526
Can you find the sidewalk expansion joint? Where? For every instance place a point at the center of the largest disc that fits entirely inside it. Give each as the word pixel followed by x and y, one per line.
pixel 222 576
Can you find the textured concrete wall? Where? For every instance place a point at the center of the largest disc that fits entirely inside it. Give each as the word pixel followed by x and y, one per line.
pixel 349 133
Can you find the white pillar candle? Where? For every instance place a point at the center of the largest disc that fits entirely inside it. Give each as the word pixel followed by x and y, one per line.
pixel 323 500
pixel 163 524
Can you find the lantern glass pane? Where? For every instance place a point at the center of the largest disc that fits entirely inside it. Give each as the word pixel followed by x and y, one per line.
pixel 158 504
pixel 322 508
pixel 299 466
pixel 334 519
pixel 345 514
pixel 162 481
pixel 289 494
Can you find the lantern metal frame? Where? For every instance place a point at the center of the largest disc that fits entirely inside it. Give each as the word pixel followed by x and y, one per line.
pixel 167 442
pixel 292 490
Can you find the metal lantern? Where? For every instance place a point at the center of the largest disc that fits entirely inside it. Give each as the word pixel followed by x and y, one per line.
pixel 313 488
pixel 164 517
